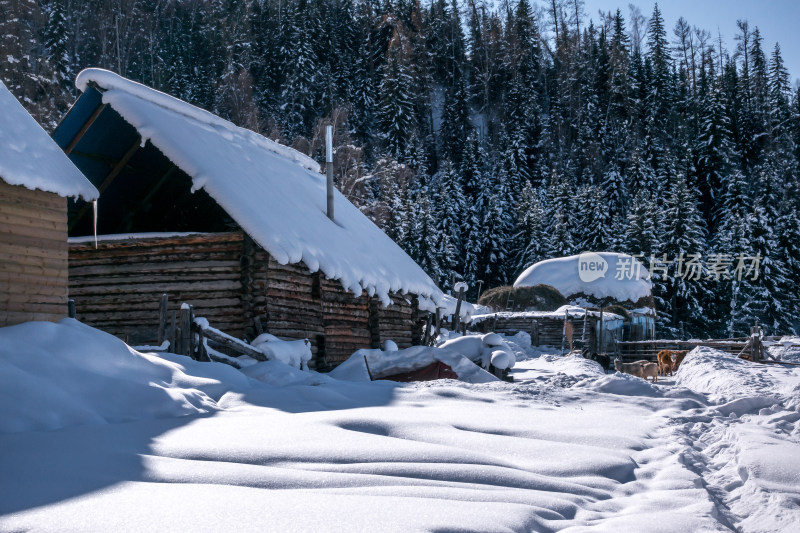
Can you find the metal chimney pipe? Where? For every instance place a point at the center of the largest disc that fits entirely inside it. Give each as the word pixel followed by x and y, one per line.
pixel 329 167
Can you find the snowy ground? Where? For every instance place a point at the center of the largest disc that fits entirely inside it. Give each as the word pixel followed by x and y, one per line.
pixel 98 437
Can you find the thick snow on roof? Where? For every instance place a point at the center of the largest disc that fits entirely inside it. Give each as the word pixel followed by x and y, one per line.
pixel 30 158
pixel 575 312
pixel 274 192
pixel 602 275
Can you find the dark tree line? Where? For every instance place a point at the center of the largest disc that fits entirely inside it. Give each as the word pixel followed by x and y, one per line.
pixel 483 139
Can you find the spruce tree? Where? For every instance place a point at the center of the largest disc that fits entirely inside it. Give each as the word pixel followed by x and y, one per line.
pixel 684 235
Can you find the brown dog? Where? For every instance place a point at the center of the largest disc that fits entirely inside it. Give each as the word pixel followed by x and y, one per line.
pixel 679 355
pixel 669 360
pixel 666 358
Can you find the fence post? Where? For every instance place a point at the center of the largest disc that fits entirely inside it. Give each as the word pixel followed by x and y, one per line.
pixel 427 337
pixel 162 319
pixel 185 346
pixel 457 314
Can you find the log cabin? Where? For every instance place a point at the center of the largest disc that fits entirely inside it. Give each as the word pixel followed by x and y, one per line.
pixel 229 222
pixel 35 180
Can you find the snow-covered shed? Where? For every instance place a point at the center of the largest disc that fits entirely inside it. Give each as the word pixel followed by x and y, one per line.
pixel 35 180
pixel 601 279
pixel 550 328
pixel 228 221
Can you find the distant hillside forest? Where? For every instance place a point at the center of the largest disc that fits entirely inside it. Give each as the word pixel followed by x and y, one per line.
pixel 486 136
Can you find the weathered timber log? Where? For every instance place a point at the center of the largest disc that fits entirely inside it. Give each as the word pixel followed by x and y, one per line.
pixel 234 344
pixel 183 267
pixel 176 286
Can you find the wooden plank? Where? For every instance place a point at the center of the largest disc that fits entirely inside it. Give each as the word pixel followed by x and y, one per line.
pixel 8 249
pixel 81 132
pixel 207 306
pixel 132 246
pixel 233 344
pixel 178 240
pixel 10 318
pixel 32 220
pixel 58 264
pixel 30 281
pixel 154 277
pixel 13 299
pixel 33 270
pixel 12 209
pixel 32 232
pixel 144 300
pixel 183 267
pixel 35 197
pixel 160 288
pixel 55 308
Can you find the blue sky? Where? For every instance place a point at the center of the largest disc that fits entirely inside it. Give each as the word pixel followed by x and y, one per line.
pixel 777 20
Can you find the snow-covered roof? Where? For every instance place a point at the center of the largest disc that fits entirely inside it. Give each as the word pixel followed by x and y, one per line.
pixel 559 314
pixel 447 304
pixel 602 275
pixel 276 194
pixel 30 158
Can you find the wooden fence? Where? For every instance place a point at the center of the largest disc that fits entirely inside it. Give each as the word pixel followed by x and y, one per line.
pixel 636 350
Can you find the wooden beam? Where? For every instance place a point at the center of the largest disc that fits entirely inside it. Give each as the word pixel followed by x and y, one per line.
pixel 120 165
pixel 111 175
pixel 84 129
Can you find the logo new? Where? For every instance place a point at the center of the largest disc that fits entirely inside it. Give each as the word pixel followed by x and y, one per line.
pixel 591 266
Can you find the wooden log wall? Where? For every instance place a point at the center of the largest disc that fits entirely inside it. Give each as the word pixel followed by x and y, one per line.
pixel 396 322
pixel 346 320
pixel 551 330
pixel 292 302
pixel 231 281
pixel 117 287
pixel 286 298
pixel 33 255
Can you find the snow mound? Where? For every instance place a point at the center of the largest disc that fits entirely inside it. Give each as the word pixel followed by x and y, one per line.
pixel 484 349
pixel 621 385
pixel 787 349
pixel 623 278
pixel 295 353
pixel 30 158
pixel 276 194
pixel 386 363
pixel 65 374
pixel 726 378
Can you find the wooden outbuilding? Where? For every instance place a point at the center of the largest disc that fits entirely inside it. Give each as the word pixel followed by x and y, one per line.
pixel 35 180
pixel 554 328
pixel 229 222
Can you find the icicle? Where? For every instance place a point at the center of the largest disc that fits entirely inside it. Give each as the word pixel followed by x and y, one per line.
pixel 94 206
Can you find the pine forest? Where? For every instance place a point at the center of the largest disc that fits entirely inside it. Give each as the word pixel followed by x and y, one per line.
pixel 486 136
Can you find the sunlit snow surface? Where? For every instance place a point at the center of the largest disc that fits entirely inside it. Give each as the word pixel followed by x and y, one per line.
pixel 98 437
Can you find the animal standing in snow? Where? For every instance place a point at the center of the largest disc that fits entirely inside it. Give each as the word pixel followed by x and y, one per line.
pixel 634 369
pixel 649 370
pixel 666 360
pixel 679 355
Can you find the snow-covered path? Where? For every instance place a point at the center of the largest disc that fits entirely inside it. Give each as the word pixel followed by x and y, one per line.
pixel 563 448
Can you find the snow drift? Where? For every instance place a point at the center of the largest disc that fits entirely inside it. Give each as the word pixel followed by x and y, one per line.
pixel 58 375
